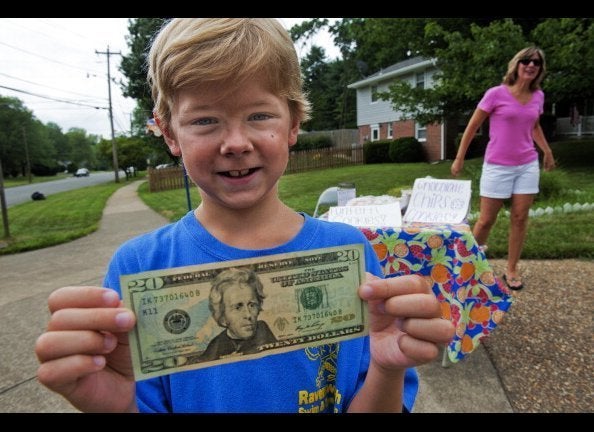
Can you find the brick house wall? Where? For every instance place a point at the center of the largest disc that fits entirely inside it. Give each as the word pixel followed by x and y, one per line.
pixel 404 128
pixel 433 144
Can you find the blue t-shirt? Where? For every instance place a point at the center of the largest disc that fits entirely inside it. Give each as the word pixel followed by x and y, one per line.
pixel 318 379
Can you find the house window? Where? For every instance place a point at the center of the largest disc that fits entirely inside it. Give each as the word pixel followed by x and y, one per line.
pixel 374 97
pixel 390 130
pixel 421 80
pixel 375 132
pixel 421 132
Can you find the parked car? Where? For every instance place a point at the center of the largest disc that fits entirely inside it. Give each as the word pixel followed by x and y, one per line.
pixel 81 172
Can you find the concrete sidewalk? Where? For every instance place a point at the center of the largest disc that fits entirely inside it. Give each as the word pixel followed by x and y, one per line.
pixel 27 279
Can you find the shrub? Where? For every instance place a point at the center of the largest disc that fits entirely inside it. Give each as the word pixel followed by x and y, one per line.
pixel 310 142
pixel 406 149
pixel 553 184
pixel 45 170
pixel 573 152
pixel 548 123
pixel 476 148
pixel 376 151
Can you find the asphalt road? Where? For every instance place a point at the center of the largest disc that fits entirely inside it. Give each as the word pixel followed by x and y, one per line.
pixel 20 194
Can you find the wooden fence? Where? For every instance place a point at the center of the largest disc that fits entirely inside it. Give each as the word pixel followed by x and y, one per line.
pixel 307 160
pixel 301 161
pixel 165 178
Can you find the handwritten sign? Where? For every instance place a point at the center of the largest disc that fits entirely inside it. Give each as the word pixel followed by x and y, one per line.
pixel 386 215
pixel 438 201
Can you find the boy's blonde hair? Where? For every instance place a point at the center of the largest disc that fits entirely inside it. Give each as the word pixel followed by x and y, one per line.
pixel 512 67
pixel 190 52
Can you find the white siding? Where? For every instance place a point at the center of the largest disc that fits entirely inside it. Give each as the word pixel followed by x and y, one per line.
pixel 429 81
pixel 381 111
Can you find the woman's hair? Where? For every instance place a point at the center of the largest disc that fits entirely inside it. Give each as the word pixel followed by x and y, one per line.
pixel 232 277
pixel 191 52
pixel 512 67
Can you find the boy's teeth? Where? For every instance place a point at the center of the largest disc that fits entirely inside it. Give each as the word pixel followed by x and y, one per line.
pixel 239 173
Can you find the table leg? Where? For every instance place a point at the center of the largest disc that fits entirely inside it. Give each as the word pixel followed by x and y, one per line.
pixel 445 361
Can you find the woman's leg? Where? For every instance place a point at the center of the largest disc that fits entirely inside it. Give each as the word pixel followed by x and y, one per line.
pixel 520 205
pixel 488 216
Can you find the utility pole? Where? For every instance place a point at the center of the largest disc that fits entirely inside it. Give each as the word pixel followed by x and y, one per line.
pixel 114 147
pixel 3 204
pixel 27 154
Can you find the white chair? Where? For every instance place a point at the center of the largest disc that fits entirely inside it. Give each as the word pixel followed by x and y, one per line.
pixel 327 198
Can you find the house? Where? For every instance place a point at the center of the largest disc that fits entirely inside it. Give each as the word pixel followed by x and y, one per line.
pixel 377 120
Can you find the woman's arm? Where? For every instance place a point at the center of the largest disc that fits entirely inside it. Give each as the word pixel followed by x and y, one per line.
pixel 541 141
pixel 475 122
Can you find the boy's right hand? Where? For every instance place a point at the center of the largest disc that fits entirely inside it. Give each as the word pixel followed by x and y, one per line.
pixel 84 353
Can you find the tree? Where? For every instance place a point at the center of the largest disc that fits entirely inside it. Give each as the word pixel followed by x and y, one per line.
pixel 134 65
pixel 132 151
pixel 13 115
pixel 60 143
pixel 83 153
pixel 462 76
pixel 367 45
pixel 40 150
pixel 324 82
pixel 23 139
pixel 568 44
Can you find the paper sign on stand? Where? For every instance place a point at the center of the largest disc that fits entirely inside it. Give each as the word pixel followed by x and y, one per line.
pixel 386 215
pixel 439 201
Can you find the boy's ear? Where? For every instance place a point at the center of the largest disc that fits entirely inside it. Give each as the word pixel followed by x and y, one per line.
pixel 169 137
pixel 294 131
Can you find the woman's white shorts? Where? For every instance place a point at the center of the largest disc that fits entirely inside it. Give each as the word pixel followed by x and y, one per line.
pixel 503 181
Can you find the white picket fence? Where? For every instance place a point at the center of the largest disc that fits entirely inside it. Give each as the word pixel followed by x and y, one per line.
pixel 565 208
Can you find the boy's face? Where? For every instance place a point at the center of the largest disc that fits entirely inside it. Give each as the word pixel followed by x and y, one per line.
pixel 235 148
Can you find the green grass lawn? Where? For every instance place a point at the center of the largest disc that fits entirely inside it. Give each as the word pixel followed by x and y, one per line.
pixel 64 217
pixel 59 218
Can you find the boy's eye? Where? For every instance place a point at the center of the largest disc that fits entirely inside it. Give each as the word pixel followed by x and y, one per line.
pixel 259 116
pixel 204 121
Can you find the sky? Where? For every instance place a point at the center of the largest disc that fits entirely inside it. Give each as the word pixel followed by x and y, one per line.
pixel 52 65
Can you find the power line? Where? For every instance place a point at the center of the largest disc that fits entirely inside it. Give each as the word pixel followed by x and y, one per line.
pixel 37 30
pixel 49 87
pixel 47 58
pixel 51 98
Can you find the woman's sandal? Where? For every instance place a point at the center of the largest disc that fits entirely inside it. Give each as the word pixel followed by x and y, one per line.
pixel 512 283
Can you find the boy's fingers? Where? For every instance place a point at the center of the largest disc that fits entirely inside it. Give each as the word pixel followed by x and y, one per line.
pixel 54 345
pixel 413 305
pixel 62 374
pixel 436 330
pixel 82 297
pixel 381 289
pixel 419 350
pixel 112 320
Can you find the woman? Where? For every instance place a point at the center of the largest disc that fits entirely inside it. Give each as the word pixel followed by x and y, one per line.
pixel 510 168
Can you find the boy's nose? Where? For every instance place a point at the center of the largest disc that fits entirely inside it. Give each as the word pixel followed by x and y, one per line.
pixel 235 141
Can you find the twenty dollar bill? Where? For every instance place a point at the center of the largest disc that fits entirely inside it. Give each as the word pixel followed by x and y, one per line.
pixel 307 298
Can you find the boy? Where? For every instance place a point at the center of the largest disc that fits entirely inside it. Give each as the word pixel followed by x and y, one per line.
pixel 229 101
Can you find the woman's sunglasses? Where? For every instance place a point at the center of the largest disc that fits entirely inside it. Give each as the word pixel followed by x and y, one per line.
pixel 526 62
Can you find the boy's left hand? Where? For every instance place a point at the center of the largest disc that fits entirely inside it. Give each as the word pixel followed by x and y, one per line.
pixel 405 324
